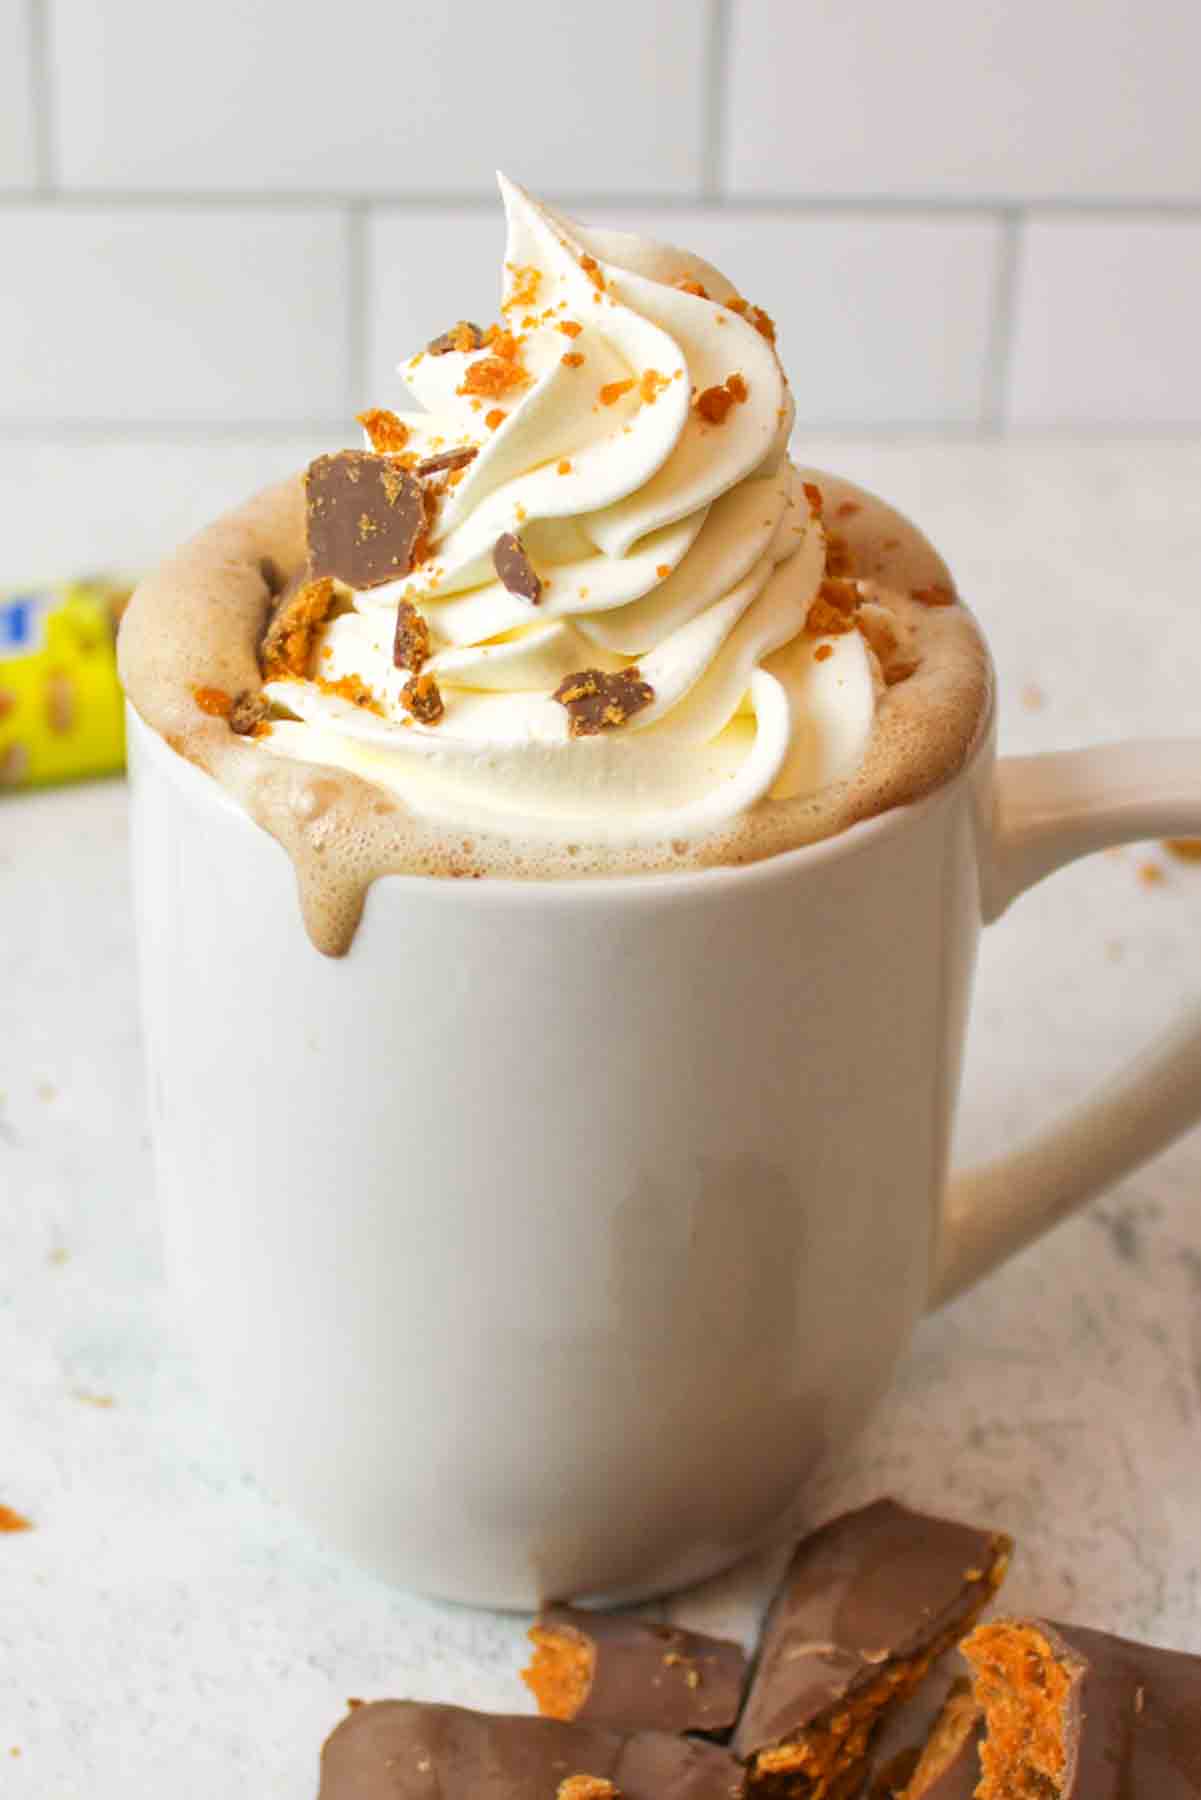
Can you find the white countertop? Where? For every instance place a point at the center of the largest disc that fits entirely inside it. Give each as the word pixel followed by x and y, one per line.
pixel 166 1630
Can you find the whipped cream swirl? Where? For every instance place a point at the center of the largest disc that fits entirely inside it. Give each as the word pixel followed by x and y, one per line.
pixel 666 539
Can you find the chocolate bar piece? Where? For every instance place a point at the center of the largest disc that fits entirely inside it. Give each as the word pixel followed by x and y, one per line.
pixel 867 1605
pixel 631 1673
pixel 901 1743
pixel 364 515
pixel 414 1750
pixel 1074 1714
pixel 596 701
pixel 948 1768
pixel 516 571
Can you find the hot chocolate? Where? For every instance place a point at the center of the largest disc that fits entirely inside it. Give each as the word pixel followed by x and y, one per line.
pixel 579 616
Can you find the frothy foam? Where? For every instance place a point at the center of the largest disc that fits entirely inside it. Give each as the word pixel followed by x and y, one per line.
pixel 198 621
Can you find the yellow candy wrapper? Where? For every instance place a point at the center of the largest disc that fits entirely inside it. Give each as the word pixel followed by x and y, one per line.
pixel 61 713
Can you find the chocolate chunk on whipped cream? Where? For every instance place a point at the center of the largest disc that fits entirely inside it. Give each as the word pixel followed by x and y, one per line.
pixel 596 701
pixel 422 699
pixel 411 639
pixel 463 336
pixel 364 516
pixel 516 571
pixel 447 459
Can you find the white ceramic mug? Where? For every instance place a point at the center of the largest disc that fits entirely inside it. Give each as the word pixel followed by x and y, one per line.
pixel 543 1244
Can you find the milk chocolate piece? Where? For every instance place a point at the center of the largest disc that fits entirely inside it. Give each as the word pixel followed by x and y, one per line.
pixel 411 642
pixel 422 699
pixel 948 1767
pixel 413 1750
pixel 463 336
pixel 867 1604
pixel 515 569
pixel 631 1673
pixel 364 516
pixel 596 701
pixel 897 1748
pixel 1074 1714
pixel 248 710
pixel 447 459
pixel 301 610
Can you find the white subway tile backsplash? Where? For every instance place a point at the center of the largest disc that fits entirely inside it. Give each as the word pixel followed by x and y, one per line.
pixel 996 98
pixel 885 320
pixel 206 314
pixel 1107 329
pixel 131 500
pixel 17 160
pixel 372 98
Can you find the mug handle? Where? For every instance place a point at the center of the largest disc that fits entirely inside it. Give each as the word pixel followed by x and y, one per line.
pixel 1047 811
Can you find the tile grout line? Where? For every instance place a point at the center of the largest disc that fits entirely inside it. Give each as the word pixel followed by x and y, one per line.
pixel 1000 348
pixel 786 205
pixel 102 433
pixel 42 96
pixel 356 301
pixel 713 99
pixel 98 431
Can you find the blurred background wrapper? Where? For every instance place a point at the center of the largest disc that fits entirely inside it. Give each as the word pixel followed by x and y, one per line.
pixel 60 703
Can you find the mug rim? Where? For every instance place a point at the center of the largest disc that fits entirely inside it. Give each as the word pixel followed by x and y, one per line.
pixel 649 885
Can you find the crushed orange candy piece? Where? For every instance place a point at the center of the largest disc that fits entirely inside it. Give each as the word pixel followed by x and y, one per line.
pixel 613 390
pixel 754 315
pixel 592 270
pixel 386 431
pixel 493 376
pixel 526 281
pixel 715 402
pixel 349 687
pixel 650 384
pixel 502 343
pixel 214 701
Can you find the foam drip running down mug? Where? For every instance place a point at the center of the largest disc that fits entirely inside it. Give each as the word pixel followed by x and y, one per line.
pixel 544 1242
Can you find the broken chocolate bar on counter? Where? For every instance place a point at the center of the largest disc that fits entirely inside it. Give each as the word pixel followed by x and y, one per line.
pixel 899 1746
pixel 1074 1714
pixel 948 1766
pixel 364 516
pixel 414 1750
pixel 631 1673
pixel 867 1604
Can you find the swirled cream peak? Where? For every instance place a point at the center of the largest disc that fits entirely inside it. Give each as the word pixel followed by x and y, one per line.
pixel 574 612
pixel 618 441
